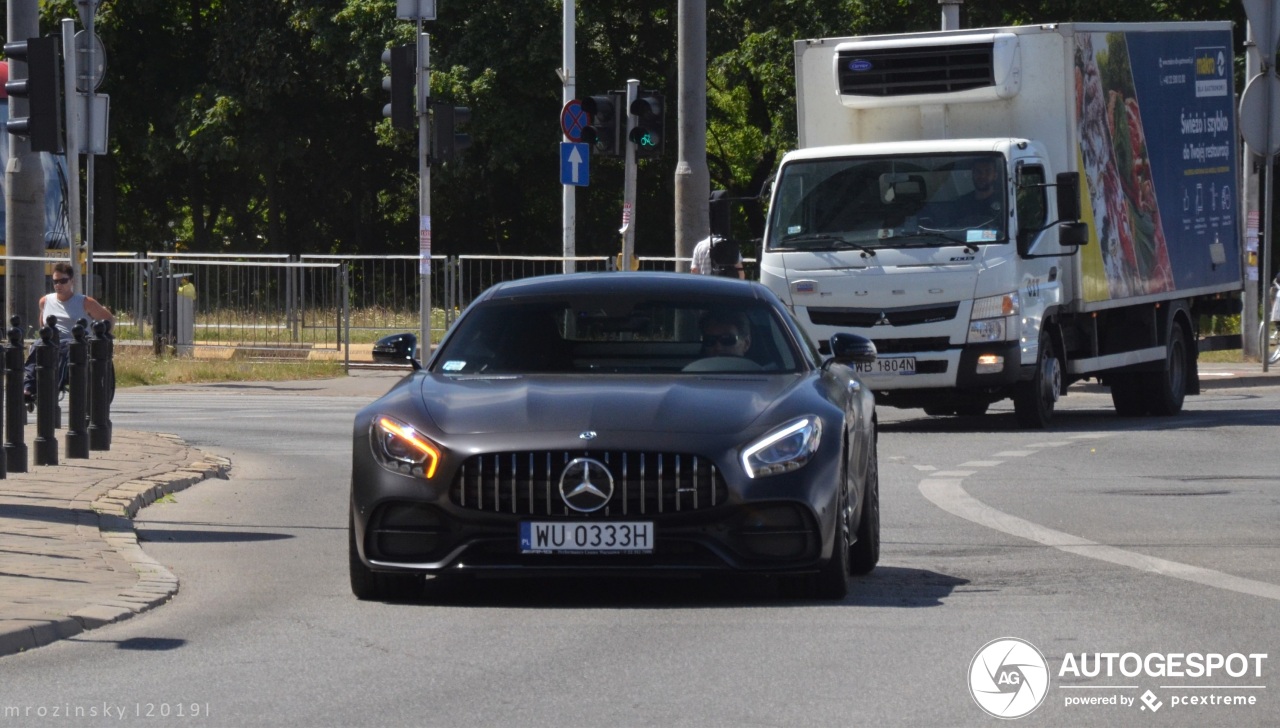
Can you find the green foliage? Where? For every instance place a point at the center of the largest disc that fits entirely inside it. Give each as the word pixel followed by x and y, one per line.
pixel 255 125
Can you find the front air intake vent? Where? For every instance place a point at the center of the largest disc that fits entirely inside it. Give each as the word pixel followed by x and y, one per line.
pixel 944 69
pixel 914 71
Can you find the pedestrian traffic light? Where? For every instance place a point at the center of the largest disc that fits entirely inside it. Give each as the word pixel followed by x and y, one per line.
pixel 402 62
pixel 604 133
pixel 649 108
pixel 42 89
pixel 447 143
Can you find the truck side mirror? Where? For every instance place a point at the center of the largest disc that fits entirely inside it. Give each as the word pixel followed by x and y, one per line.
pixel 1073 233
pixel 1068 189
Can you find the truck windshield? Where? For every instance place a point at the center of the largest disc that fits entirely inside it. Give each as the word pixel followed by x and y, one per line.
pixel 890 202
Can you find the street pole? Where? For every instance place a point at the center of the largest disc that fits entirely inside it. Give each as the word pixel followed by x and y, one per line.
pixel 70 73
pixel 692 177
pixel 87 280
pixel 424 185
pixel 568 76
pixel 629 182
pixel 24 189
pixel 1249 204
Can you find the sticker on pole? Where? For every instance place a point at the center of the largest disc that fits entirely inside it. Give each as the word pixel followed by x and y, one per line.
pixel 424 245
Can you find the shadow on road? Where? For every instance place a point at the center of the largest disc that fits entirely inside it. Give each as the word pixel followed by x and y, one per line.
pixel 175 535
pixel 885 587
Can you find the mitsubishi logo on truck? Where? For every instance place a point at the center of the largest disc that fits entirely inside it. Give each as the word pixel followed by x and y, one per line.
pixel 883 320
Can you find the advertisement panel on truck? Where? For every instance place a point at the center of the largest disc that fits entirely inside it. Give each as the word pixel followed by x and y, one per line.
pixel 1162 214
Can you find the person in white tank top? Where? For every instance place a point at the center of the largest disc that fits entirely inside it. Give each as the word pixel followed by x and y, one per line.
pixel 67 307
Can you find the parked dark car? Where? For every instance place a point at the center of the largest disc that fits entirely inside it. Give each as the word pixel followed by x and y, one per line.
pixel 618 423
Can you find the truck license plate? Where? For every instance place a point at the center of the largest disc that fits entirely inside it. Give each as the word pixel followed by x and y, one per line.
pixel 613 537
pixel 889 365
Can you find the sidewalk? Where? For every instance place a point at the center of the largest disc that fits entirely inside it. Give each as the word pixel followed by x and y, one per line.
pixel 69 559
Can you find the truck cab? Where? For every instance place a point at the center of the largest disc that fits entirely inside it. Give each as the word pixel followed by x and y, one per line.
pixel 944 254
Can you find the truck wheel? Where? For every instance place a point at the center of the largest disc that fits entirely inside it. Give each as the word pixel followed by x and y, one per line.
pixel 1128 395
pixel 1033 401
pixel 1167 391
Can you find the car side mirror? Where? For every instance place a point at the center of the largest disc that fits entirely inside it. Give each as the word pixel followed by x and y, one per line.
pixel 849 348
pixel 397 349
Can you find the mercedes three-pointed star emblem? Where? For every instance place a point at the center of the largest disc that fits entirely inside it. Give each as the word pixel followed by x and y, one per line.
pixel 586 485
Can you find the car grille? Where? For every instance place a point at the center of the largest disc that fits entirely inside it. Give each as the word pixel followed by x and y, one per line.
pixel 644 483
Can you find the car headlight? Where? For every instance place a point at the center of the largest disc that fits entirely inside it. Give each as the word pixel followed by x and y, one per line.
pixel 402 449
pixel 990 318
pixel 785 449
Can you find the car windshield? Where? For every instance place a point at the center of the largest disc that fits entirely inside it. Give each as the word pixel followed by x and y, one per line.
pixel 613 335
pixel 889 202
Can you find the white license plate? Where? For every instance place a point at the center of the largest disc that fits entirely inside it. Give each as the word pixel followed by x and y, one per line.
pixel 613 537
pixel 889 365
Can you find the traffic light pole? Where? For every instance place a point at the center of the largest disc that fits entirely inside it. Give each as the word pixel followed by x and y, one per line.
pixel 23 187
pixel 629 184
pixel 424 187
pixel 568 76
pixel 70 69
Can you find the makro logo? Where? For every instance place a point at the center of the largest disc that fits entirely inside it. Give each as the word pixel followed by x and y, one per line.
pixel 1008 678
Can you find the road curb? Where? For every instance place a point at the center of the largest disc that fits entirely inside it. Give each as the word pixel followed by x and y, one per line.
pixel 111 514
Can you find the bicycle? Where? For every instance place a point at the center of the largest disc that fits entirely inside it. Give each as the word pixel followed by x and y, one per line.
pixel 1269 330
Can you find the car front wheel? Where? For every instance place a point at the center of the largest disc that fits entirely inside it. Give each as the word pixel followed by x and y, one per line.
pixel 369 585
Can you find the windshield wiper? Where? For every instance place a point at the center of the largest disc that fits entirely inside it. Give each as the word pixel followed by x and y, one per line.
pixel 835 240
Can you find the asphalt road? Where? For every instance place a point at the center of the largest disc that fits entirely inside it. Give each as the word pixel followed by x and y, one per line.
pixel 1105 535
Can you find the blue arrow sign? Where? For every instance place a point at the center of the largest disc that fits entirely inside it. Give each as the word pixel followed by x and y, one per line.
pixel 575 164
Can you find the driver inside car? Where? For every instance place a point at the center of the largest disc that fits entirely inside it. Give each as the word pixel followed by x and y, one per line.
pixel 725 333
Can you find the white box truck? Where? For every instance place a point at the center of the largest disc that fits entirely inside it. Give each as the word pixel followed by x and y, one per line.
pixel 1005 211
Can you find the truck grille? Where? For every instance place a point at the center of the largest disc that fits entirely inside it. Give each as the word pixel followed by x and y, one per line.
pixel 644 483
pixel 912 346
pixel 868 317
pixel 911 71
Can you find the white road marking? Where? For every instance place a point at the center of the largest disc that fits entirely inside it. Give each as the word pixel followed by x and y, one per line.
pixel 949 494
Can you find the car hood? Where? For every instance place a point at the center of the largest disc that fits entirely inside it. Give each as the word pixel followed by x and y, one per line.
pixel 704 404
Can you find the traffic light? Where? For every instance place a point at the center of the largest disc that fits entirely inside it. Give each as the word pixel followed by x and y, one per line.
pixel 446 141
pixel 42 88
pixel 604 133
pixel 650 110
pixel 402 61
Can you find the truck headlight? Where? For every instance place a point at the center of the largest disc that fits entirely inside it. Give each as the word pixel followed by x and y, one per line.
pixel 990 320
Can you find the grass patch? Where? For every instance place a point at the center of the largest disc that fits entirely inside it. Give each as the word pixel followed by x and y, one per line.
pixel 138 366
pixel 1227 356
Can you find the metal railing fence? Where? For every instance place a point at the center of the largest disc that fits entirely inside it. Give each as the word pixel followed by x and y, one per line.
pixel 336 304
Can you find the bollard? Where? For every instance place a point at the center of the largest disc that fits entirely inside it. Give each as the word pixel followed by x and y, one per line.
pixel 101 386
pixel 15 410
pixel 46 445
pixel 77 441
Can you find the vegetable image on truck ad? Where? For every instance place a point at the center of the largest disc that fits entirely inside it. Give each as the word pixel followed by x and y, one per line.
pixel 1163 214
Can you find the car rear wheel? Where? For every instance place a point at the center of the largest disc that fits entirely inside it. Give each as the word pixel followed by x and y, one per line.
pixel 369 585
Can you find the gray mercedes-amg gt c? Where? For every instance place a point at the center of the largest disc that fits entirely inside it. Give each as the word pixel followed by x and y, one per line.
pixel 618 423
